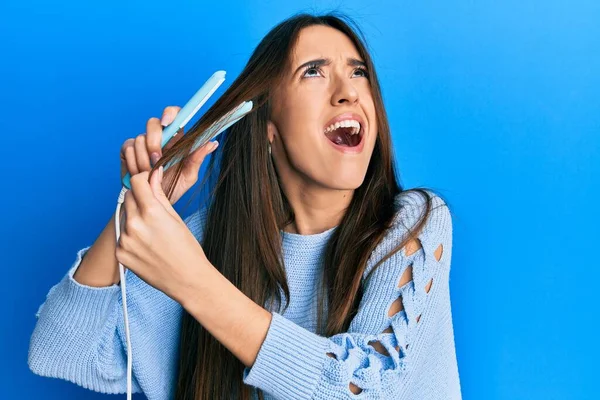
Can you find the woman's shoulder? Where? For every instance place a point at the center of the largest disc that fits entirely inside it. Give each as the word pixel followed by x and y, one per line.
pixel 434 239
pixel 413 204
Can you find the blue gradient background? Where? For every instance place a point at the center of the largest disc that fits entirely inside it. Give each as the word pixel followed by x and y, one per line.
pixel 494 104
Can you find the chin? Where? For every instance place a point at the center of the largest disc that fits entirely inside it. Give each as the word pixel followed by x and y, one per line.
pixel 346 182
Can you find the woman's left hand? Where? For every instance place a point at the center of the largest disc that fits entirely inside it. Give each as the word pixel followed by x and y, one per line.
pixel 155 243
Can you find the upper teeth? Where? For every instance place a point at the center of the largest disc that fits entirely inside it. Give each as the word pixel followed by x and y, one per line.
pixel 349 123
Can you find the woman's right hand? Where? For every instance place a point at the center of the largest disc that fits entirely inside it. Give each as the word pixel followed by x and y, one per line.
pixel 136 154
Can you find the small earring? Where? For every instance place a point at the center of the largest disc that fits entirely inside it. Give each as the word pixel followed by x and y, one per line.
pixel 269 148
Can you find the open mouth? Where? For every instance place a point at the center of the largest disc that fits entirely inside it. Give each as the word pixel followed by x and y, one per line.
pixel 345 133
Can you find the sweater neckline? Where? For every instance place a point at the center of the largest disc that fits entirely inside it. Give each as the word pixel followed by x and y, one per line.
pixel 312 240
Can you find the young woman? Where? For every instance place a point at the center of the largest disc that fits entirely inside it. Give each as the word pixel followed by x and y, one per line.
pixel 310 273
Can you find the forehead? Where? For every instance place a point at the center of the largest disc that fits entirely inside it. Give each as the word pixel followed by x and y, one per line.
pixel 319 41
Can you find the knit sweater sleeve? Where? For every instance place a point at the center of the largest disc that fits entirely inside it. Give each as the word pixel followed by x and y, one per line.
pixel 393 343
pixel 79 334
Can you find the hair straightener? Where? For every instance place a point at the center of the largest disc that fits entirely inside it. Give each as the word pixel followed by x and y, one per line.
pixel 183 117
pixel 191 108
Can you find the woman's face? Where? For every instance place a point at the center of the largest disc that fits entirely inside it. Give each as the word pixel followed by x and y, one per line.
pixel 308 147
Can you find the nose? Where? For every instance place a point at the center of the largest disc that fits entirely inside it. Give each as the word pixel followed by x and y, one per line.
pixel 344 92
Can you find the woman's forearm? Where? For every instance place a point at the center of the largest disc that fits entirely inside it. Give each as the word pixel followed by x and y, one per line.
pixel 228 314
pixel 99 267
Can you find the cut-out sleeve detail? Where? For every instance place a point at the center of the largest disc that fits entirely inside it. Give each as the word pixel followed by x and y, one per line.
pixel 294 363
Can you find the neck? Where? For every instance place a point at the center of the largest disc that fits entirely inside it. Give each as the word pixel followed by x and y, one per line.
pixel 316 209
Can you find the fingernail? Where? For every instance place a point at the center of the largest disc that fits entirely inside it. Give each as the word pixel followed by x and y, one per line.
pixel 214 145
pixel 154 157
pixel 166 120
pixel 160 172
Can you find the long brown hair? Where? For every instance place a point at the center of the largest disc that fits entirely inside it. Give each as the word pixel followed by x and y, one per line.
pixel 248 209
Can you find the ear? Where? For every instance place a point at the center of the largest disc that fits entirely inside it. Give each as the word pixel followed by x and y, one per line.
pixel 271 131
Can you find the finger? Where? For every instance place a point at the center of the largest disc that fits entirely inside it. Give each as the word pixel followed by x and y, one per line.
pixel 123 157
pixel 195 160
pixel 140 187
pixel 157 189
pixel 141 154
pixel 128 143
pixel 125 255
pixel 169 114
pixel 130 208
pixel 154 131
pixel 130 205
pixel 130 160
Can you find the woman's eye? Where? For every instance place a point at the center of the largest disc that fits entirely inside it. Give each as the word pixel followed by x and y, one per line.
pixel 311 69
pixel 363 72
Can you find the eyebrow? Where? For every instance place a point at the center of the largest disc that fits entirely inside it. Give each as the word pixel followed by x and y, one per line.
pixel 353 62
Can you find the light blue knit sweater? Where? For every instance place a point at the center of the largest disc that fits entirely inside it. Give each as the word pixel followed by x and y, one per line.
pixel 80 336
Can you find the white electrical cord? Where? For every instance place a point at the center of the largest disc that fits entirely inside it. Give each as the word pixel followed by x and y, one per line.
pixel 229 119
pixel 123 291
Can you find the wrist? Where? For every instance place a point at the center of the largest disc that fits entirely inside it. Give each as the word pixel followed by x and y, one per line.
pixel 196 289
